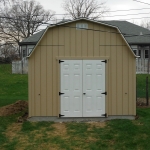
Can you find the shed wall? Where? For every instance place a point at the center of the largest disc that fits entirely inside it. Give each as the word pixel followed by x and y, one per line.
pixel 66 42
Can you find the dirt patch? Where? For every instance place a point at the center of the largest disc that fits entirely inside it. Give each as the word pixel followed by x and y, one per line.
pixel 141 102
pixel 96 125
pixel 15 108
pixel 13 130
pixel 60 128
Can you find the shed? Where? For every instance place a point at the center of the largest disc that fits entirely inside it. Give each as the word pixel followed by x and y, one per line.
pixel 82 68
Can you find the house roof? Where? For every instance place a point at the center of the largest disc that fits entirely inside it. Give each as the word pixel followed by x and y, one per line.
pixel 32 39
pixel 135 34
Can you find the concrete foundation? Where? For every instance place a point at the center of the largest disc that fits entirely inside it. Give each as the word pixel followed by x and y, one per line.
pixel 83 119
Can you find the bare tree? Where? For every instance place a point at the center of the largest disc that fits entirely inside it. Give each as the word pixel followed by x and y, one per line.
pixel 145 24
pixel 8 52
pixel 21 19
pixel 84 8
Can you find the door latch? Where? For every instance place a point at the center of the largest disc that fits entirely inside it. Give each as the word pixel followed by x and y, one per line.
pixel 84 93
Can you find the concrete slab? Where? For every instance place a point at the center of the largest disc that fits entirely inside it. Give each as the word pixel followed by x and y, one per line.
pixel 83 119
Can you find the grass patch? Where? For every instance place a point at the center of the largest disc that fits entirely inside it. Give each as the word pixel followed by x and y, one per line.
pixel 13 87
pixel 141 85
pixel 112 135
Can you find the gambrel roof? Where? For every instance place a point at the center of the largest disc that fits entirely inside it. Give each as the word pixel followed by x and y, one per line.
pixel 133 34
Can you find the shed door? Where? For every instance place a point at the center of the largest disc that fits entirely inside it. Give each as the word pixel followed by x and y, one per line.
pixel 93 86
pixel 71 86
pixel 82 82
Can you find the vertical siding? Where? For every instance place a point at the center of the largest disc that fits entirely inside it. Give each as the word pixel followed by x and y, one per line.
pixel 79 38
pixel 72 42
pixel 119 73
pixel 37 83
pixel 113 79
pixel 125 81
pixel 104 36
pixel 84 42
pixel 90 40
pixel 43 77
pixel 68 42
pixel 30 89
pixel 49 88
pixel 32 80
pixel 106 48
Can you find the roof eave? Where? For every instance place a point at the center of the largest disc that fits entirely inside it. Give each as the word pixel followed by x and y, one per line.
pixel 27 43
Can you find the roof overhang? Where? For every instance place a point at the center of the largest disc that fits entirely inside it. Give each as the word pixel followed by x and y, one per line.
pixel 98 22
pixel 27 43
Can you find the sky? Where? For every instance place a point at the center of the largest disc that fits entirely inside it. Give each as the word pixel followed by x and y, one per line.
pixel 113 5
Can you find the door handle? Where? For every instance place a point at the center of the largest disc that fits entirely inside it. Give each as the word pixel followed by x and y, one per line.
pixel 84 93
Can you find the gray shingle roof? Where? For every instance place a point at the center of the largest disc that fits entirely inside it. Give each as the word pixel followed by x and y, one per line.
pixel 132 29
pixel 124 26
pixel 33 39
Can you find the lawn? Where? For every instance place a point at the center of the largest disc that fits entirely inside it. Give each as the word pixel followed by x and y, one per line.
pixel 110 135
pixel 141 85
pixel 13 87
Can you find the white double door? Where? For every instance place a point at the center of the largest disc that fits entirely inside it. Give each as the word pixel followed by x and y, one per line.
pixel 82 85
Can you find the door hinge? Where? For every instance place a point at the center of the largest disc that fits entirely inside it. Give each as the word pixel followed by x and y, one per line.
pixel 104 93
pixel 105 115
pixel 60 61
pixel 61 93
pixel 105 61
pixel 61 115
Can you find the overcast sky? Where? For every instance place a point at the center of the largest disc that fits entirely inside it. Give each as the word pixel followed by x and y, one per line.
pixel 113 5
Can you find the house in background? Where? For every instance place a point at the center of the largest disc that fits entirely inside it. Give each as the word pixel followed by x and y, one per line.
pixel 28 44
pixel 136 36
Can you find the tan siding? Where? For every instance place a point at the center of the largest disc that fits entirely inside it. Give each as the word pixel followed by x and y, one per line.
pixel 43 81
pixel 119 76
pixel 78 43
pixel 49 87
pixel 55 82
pixel 84 42
pixel 134 87
pixel 103 39
pixel 30 88
pixel 49 36
pixel 107 53
pixel 90 40
pixel 96 40
pixel 69 43
pixel 125 81
pixel 61 42
pixel 130 76
pixel 37 84
pixel 113 74
pixel 72 42
pixel 32 92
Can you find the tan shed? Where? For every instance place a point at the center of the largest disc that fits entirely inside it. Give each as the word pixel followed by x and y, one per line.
pixel 82 68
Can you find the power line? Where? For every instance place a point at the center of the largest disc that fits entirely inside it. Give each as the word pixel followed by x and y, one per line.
pixel 141 2
pixel 124 34
pixel 129 14
pixel 92 12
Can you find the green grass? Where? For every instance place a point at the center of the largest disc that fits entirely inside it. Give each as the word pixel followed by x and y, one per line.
pixel 115 135
pixel 13 87
pixel 141 85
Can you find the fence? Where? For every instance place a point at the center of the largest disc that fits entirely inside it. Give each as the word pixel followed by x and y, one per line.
pixel 20 67
pixel 142 66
